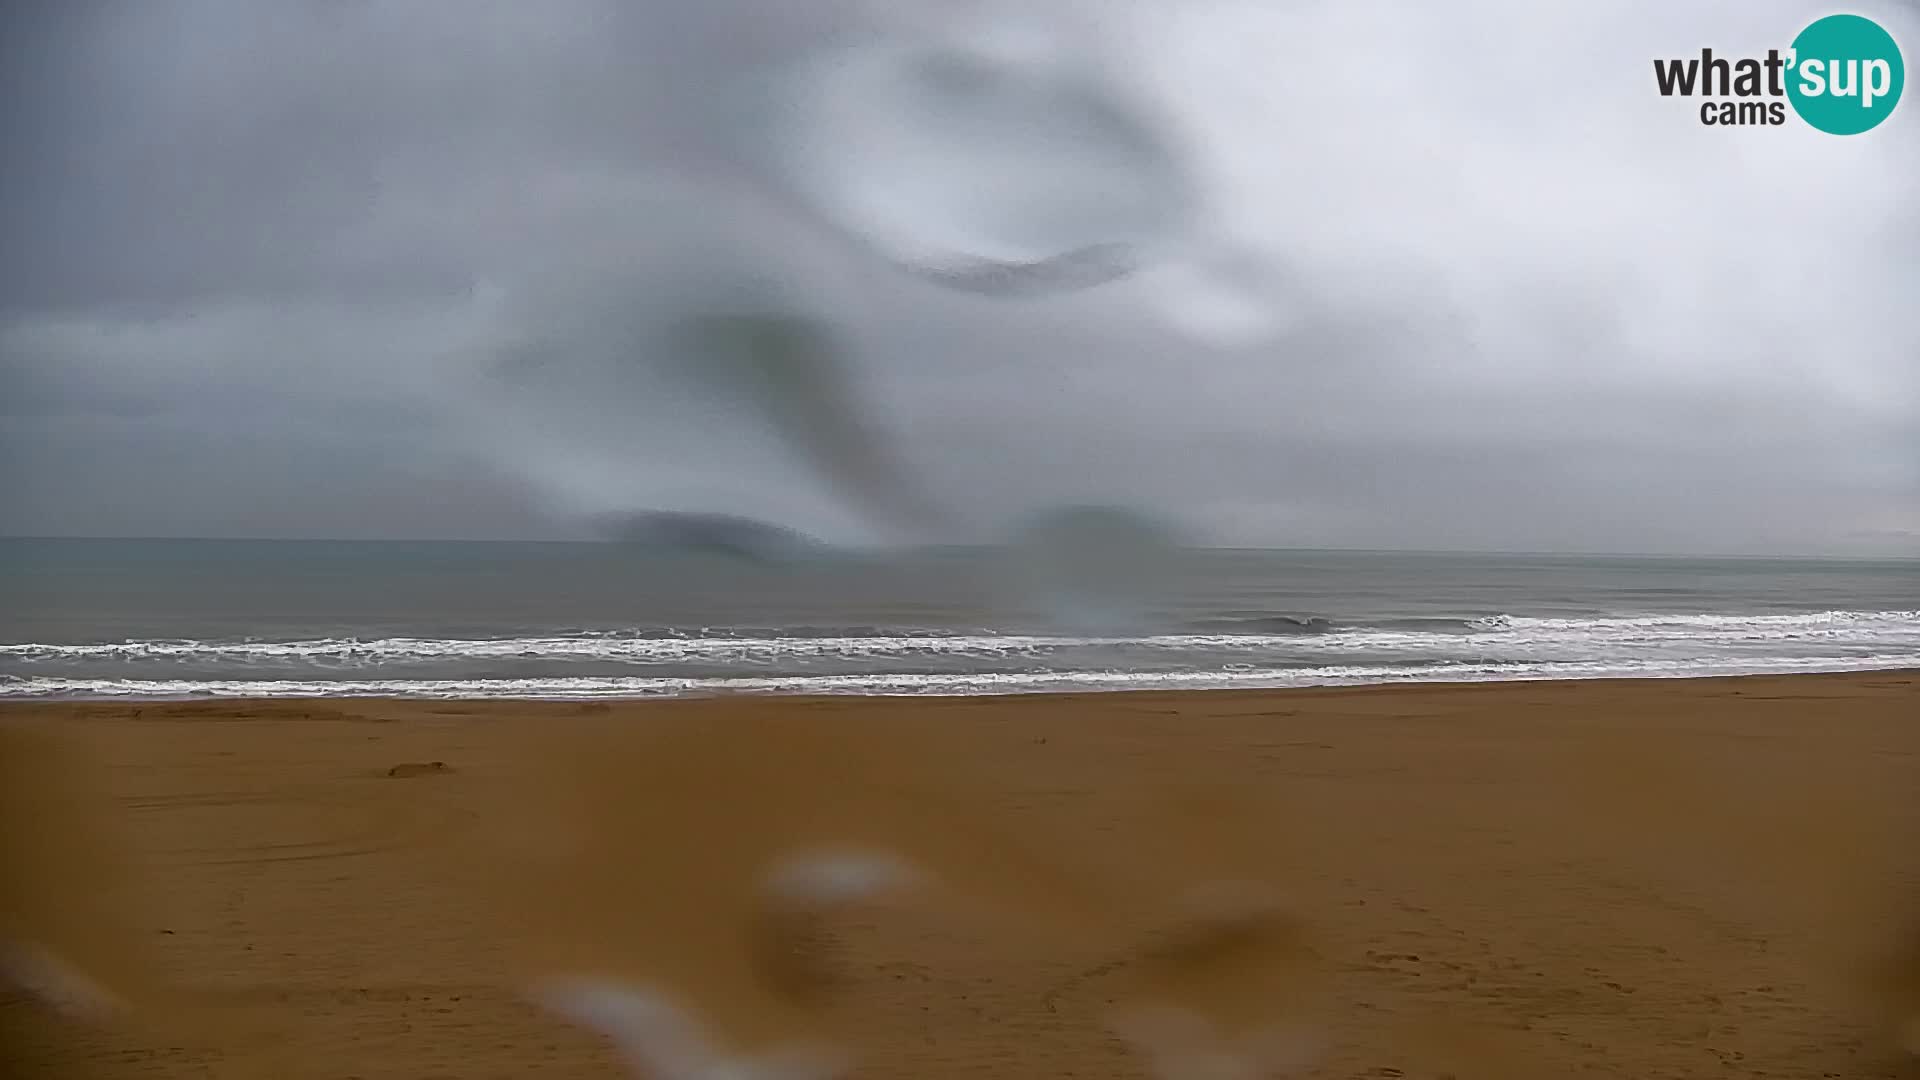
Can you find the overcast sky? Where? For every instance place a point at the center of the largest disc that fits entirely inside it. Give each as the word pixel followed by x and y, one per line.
pixel 376 269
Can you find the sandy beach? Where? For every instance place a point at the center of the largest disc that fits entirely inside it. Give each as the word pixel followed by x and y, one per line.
pixel 1650 879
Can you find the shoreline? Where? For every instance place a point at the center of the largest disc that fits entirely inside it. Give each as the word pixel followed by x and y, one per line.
pixel 1423 681
pixel 1633 879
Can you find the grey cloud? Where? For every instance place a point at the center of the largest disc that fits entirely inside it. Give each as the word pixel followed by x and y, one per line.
pixel 214 147
pixel 357 250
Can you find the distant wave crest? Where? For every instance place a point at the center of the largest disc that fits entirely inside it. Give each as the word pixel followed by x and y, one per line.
pixel 1236 632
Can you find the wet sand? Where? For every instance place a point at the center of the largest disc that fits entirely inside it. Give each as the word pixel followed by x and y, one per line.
pixel 1618 879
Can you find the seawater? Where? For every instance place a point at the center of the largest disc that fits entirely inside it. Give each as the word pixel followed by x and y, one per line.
pixel 187 618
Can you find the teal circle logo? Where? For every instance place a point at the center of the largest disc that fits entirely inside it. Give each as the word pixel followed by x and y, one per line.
pixel 1845 74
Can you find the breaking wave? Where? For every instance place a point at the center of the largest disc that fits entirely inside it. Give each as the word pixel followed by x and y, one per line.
pixel 1236 649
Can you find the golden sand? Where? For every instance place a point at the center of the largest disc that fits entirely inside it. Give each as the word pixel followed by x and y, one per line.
pixel 1619 879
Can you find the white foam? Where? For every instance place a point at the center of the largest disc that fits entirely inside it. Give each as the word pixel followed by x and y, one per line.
pixel 554 647
pixel 1493 649
pixel 569 688
pixel 1894 629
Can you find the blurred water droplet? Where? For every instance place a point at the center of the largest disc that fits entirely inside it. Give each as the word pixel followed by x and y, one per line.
pixel 679 334
pixel 1093 569
pixel 791 372
pixel 992 163
pixel 1222 300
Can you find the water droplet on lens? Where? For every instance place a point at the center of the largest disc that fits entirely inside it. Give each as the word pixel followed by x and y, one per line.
pixel 975 165
pixel 1093 569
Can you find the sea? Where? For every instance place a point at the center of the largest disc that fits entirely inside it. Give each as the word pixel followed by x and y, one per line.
pixel 92 619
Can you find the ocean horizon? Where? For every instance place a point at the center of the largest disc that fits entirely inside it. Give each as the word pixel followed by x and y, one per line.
pixel 185 618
